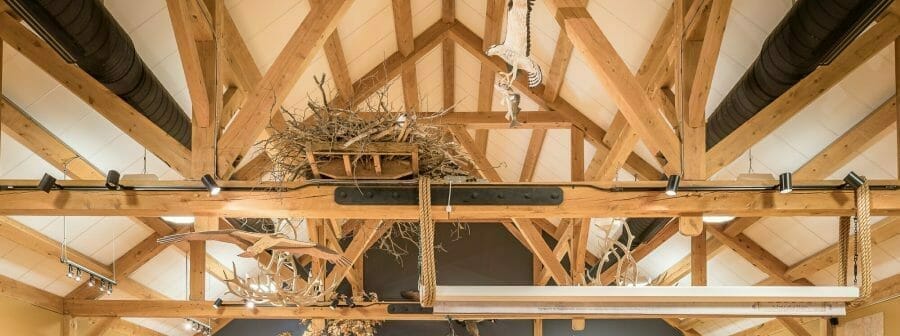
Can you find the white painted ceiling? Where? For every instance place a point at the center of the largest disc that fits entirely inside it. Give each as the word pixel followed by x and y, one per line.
pixel 367 34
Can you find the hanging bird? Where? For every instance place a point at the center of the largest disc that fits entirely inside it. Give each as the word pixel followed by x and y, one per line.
pixel 255 243
pixel 516 47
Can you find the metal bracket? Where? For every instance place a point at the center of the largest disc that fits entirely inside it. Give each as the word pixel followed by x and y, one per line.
pixel 459 195
pixel 408 308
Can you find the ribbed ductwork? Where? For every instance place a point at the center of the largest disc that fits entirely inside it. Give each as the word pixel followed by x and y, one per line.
pixel 811 34
pixel 83 32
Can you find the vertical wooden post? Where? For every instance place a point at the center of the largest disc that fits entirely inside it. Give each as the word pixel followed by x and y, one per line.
pixel 69 326
pixel 698 257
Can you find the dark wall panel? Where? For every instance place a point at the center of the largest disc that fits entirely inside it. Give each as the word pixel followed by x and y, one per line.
pixel 486 255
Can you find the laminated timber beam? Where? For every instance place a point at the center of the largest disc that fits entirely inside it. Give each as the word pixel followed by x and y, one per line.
pixel 624 88
pixel 275 85
pixel 470 41
pixel 317 200
pixel 105 102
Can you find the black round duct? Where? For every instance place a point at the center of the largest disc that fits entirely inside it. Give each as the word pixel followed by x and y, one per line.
pixel 83 32
pixel 811 34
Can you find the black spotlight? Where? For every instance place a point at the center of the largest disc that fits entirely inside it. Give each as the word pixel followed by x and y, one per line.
pixel 47 183
pixel 785 183
pixel 112 180
pixel 854 180
pixel 211 185
pixel 217 303
pixel 672 185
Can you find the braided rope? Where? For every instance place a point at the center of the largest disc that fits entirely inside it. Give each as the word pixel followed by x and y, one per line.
pixel 427 277
pixel 844 244
pixel 863 209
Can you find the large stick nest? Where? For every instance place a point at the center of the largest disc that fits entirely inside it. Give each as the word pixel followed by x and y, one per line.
pixel 373 121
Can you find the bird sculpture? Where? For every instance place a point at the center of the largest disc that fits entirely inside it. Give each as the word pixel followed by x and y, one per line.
pixel 516 47
pixel 255 243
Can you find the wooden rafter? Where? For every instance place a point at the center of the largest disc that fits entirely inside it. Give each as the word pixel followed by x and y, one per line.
pixel 105 102
pixel 612 71
pixel 405 44
pixel 365 236
pixel 495 11
pixel 274 86
pixel 469 41
pixel 800 95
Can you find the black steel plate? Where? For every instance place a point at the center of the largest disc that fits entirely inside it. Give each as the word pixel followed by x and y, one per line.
pixel 460 195
pixel 407 308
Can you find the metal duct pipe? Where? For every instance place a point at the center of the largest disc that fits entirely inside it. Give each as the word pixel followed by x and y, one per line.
pixel 83 32
pixel 811 34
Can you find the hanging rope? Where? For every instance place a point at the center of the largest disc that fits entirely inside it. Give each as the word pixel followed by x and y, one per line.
pixel 864 236
pixel 427 278
pixel 844 244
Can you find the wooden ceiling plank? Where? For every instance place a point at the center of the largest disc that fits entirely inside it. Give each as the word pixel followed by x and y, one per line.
pixel 186 37
pixel 622 85
pixel 28 132
pixel 755 254
pixel 125 265
pixel 13 289
pixel 36 242
pixel 804 92
pixel 469 41
pixel 448 64
pixel 881 231
pixel 275 85
pixel 105 102
pixel 386 71
pixel 857 139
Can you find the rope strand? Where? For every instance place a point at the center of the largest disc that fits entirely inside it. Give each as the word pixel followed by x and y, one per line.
pixel 427 277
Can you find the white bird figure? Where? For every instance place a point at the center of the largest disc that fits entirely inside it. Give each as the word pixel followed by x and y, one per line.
pixel 516 47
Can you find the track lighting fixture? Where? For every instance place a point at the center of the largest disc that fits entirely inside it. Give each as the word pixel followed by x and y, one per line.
pixel 334 303
pixel 218 303
pixel 672 185
pixel 785 183
pixel 211 185
pixel 77 271
pixel 854 180
pixel 249 304
pixel 112 180
pixel 47 183
pixel 197 326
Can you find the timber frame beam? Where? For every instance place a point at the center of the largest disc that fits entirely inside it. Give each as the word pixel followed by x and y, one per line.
pixel 579 200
